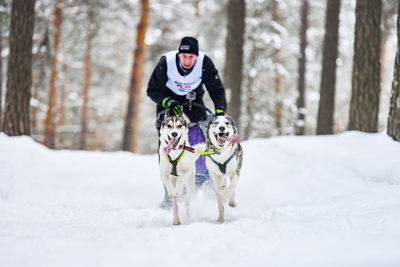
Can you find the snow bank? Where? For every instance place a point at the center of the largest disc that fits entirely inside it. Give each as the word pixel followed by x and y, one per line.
pixel 302 201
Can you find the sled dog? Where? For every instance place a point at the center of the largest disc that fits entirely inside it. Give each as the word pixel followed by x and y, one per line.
pixel 177 161
pixel 225 164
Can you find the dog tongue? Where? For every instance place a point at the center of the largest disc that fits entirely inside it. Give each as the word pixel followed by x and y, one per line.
pixel 234 139
pixel 170 145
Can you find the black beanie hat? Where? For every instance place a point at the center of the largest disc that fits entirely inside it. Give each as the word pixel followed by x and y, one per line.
pixel 189 45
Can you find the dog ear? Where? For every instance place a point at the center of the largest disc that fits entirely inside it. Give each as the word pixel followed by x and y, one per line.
pixel 167 113
pixel 229 118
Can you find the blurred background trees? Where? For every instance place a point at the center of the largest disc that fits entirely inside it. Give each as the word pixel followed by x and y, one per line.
pixel 82 63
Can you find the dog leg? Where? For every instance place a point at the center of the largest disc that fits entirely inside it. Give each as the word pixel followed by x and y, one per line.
pixel 176 215
pixel 217 189
pixel 189 192
pixel 174 194
pixel 173 190
pixel 220 209
pixel 228 193
pixel 232 202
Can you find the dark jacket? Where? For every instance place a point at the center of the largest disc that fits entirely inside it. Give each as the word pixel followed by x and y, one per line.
pixel 157 89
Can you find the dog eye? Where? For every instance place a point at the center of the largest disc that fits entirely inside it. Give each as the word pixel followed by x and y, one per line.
pixel 179 126
pixel 169 126
pixel 227 123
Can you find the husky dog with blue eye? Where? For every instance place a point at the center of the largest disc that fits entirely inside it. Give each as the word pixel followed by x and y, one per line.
pixel 225 164
pixel 177 161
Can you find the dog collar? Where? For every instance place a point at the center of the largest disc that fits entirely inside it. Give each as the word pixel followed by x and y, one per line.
pixel 212 150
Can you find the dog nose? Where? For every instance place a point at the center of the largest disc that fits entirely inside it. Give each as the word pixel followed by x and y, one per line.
pixel 174 134
pixel 222 128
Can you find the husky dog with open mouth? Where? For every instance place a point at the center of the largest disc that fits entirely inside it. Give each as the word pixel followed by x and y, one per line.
pixel 225 164
pixel 177 161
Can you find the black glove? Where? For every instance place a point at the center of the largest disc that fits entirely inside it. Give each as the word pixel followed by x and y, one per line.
pixel 173 105
pixel 219 112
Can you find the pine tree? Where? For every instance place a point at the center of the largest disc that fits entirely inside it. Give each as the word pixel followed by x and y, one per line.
pixel 19 69
pixel 328 78
pixel 393 128
pixel 277 76
pixel 364 104
pixel 2 4
pixel 86 83
pixel 131 129
pixel 302 69
pixel 49 134
pixel 234 55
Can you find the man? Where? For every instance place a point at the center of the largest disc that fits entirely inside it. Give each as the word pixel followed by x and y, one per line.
pixel 181 72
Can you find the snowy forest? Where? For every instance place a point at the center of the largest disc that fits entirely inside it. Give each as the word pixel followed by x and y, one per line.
pixel 300 67
pixel 312 86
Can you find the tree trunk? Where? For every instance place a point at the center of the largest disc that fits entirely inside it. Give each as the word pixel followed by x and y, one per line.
pixel 326 108
pixel 19 70
pixel 234 56
pixel 1 63
pixel 393 128
pixel 86 83
pixel 300 125
pixel 49 134
pixel 131 129
pixel 364 104
pixel 63 95
pixel 277 78
pixel 197 16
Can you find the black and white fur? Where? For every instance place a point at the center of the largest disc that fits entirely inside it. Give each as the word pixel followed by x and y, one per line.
pixel 224 184
pixel 175 127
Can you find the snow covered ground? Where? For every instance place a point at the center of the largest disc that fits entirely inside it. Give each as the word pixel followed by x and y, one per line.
pixel 302 201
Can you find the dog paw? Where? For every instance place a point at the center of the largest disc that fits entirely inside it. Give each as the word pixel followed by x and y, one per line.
pixel 176 222
pixel 232 203
pixel 174 195
pixel 220 220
